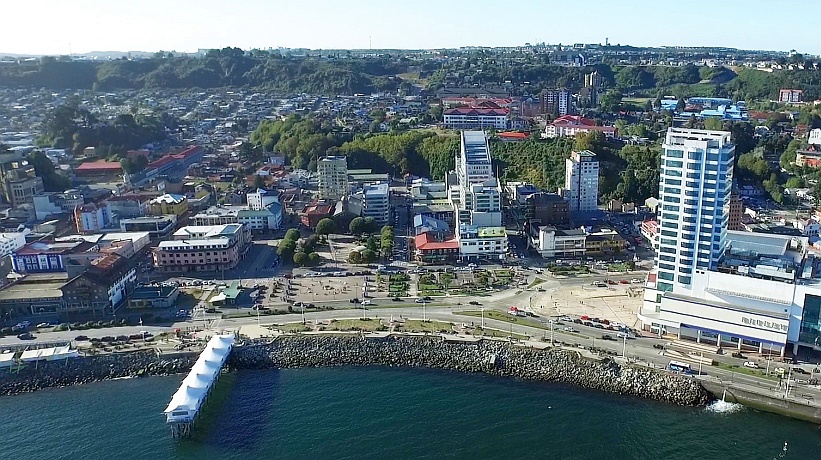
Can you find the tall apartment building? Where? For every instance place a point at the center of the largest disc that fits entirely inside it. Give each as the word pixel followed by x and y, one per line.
pixel 694 188
pixel 581 181
pixel 476 199
pixel 19 184
pixel 556 102
pixel 376 202
pixel 593 79
pixel 333 177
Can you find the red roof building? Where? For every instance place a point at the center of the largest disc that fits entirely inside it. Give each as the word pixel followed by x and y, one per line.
pixel 429 250
pixel 312 213
pixel 99 168
pixel 513 136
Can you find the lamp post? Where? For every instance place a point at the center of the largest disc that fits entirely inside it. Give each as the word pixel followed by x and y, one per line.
pixel 424 312
pixel 552 322
pixel 482 309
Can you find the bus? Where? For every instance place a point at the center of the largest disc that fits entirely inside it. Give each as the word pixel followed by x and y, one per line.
pixel 678 366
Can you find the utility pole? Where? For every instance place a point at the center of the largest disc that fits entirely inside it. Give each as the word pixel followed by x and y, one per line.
pixel 482 309
pixel 424 312
pixel 551 332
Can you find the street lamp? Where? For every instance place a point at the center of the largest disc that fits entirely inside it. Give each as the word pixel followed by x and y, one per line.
pixel 482 309
pixel 552 322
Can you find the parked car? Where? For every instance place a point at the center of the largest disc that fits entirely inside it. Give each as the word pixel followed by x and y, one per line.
pixel 751 364
pixel 25 336
pixel 397 299
pixel 569 329
pixel 738 355
pixel 81 338
pixel 473 302
pixel 799 370
pixel 367 303
pixel 607 337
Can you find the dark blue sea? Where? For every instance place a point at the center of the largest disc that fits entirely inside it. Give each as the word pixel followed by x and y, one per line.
pixel 381 413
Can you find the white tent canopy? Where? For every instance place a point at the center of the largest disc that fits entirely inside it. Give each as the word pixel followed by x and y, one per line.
pixel 188 399
pixel 6 359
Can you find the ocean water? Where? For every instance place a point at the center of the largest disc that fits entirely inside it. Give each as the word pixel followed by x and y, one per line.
pixel 382 413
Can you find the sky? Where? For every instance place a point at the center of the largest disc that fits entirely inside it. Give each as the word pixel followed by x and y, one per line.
pixel 80 26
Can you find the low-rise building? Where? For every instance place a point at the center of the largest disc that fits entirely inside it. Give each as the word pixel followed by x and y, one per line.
pixel 268 218
pixel 650 232
pixel 11 242
pixel 203 249
pixel 549 241
pixel 314 212
pixel 547 209
pixel 573 125
pixel 476 118
pixel 604 241
pixel 91 218
pixel 48 203
pixel 153 297
pixel 157 226
pixel 429 249
pixel 261 199
pixel 488 243
pixel 168 204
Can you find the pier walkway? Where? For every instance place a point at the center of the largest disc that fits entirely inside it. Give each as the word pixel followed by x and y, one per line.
pixel 195 388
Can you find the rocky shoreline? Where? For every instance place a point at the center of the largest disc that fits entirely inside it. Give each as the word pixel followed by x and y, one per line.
pixel 489 357
pixel 76 371
pixel 486 356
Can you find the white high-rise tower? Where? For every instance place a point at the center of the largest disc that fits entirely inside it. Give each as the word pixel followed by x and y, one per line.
pixel 695 182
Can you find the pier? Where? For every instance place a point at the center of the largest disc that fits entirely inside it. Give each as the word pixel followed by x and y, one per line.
pixel 186 403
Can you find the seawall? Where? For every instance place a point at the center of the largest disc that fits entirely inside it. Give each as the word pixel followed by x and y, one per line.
pixel 75 371
pixel 793 407
pixel 486 356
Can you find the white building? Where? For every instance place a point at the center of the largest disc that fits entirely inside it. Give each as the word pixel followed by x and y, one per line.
pixel 261 199
pixel 808 227
pixel 551 242
pixel 376 202
pixel 268 218
pixel 48 203
pixel 695 185
pixel 10 242
pixel 333 177
pixel 581 182
pixel 766 296
pixel 475 118
pixel 482 243
pixel 476 197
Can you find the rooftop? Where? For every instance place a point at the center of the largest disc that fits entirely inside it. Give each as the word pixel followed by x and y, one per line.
pixel 208 231
pixel 169 198
pixel 475 148
pixel 152 292
pixel 425 242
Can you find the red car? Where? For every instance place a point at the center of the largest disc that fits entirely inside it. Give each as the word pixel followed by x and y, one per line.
pixel 624 282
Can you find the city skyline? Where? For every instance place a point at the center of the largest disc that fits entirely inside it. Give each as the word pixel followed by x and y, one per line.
pixel 185 26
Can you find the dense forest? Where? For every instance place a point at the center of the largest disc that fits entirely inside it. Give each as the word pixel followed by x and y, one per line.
pixel 332 74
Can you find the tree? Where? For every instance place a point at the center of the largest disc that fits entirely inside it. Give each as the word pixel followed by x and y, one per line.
pixel 713 124
pixel 292 235
pixel 259 182
pixel 358 226
pixel 286 249
pixel 368 256
pixel 325 226
pixel 313 259
pixel 300 258
pixel 44 168
pixel 610 101
pixel 387 231
pixel 355 257
pixel 370 225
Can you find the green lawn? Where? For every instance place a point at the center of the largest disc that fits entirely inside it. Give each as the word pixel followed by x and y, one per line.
pixel 739 369
pixel 369 325
pixel 536 282
pixel 499 316
pixel 414 325
pixel 497 333
pixel 292 327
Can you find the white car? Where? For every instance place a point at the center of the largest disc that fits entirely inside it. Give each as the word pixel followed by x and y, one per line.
pixel 569 329
pixel 751 364
pixel 366 303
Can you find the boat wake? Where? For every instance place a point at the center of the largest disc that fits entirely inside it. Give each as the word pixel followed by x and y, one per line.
pixel 724 407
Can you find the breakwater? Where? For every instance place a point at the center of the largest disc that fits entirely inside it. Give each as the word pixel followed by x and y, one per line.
pixel 47 374
pixel 490 357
